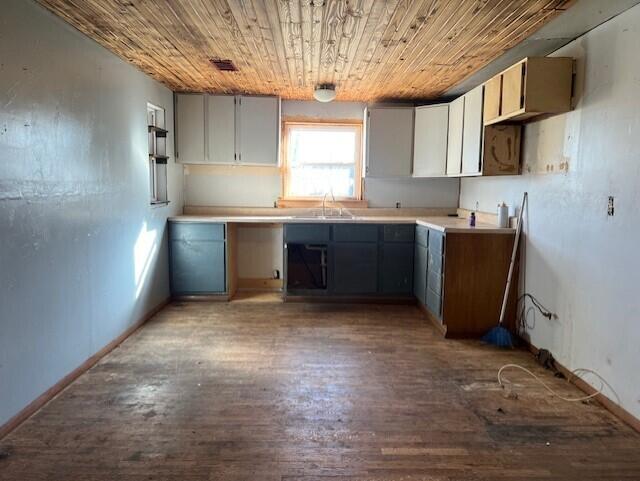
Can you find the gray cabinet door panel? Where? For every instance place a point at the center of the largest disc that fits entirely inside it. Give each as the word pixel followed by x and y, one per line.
pixel 436 241
pixel 398 232
pixel 434 303
pixel 194 231
pixel 197 267
pixel 434 281
pixel 355 232
pixel 420 273
pixel 435 261
pixel 422 235
pixel 354 268
pixel 396 271
pixel 307 233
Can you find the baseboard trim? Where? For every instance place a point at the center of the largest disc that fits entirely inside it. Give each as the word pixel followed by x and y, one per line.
pixel 611 406
pixel 262 284
pixel 54 390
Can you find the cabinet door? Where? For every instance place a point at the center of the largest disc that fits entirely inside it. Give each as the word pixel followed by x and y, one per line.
pixel 472 131
pixel 492 94
pixel 454 136
pixel 396 270
pixel 197 267
pixel 430 141
pixel 420 273
pixel 190 123
pixel 220 129
pixel 512 89
pixel 389 142
pixel 258 130
pixel 355 268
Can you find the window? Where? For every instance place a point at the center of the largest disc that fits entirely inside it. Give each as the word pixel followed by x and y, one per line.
pixel 322 158
pixel 157 155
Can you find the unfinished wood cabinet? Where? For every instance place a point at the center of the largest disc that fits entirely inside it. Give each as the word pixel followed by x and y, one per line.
pixel 533 86
pixel 492 92
pixel 501 149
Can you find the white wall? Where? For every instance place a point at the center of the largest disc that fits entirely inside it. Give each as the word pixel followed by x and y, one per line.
pixel 83 256
pixel 580 263
pixel 251 187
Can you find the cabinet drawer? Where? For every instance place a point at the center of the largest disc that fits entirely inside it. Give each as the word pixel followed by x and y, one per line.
pixel 398 232
pixel 422 235
pixel 434 303
pixel 434 281
pixel 355 233
pixel 436 241
pixel 196 231
pixel 306 233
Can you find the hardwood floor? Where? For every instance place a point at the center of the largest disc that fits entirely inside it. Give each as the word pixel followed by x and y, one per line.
pixel 300 392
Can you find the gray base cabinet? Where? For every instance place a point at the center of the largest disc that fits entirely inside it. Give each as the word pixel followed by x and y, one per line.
pixel 355 268
pixel 428 263
pixel 397 268
pixel 363 259
pixel 197 258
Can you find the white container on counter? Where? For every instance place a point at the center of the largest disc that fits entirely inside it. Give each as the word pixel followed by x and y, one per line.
pixel 503 215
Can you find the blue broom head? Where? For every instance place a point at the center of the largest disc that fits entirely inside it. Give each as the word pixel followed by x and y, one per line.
pixel 499 336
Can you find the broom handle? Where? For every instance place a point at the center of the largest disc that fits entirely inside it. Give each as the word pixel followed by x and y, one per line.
pixel 514 252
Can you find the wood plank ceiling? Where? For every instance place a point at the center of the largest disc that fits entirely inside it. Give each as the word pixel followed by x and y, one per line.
pixel 371 49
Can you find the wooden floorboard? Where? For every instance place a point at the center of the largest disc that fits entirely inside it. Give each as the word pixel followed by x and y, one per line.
pixel 302 392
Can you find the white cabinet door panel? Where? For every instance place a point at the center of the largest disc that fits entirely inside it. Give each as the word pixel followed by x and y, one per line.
pixel 190 127
pixel 430 140
pixel 221 119
pixel 389 142
pixel 454 147
pixel 258 130
pixel 472 133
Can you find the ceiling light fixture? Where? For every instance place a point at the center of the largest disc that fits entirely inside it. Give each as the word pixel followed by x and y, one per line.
pixel 325 92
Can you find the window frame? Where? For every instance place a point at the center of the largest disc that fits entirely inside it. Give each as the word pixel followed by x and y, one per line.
pixel 287 124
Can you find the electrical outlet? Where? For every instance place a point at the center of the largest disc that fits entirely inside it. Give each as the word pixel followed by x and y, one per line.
pixel 610 207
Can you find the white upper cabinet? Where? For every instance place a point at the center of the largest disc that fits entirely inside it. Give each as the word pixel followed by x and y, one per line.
pixel 257 136
pixel 221 144
pixel 190 128
pixel 389 137
pixel 430 140
pixel 455 134
pixel 223 129
pixel 472 132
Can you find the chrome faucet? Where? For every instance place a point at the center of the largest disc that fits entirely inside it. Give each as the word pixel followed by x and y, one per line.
pixel 324 202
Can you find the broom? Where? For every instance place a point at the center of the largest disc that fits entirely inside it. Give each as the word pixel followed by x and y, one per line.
pixel 500 335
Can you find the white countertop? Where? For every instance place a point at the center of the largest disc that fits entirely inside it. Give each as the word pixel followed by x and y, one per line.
pixel 443 224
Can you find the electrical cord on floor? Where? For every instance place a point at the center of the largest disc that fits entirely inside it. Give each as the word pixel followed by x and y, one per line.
pixel 546 386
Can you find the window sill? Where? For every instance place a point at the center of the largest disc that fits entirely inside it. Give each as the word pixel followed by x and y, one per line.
pixel 316 202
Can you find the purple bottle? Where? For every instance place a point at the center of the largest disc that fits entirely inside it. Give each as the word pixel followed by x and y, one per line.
pixel 472 219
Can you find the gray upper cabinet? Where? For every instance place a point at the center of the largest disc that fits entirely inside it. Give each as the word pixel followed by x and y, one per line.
pixel 389 138
pixel 258 130
pixel 472 132
pixel 227 129
pixel 220 122
pixel 454 136
pixel 190 128
pixel 430 140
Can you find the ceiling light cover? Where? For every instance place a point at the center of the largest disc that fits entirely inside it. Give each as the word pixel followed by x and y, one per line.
pixel 325 93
